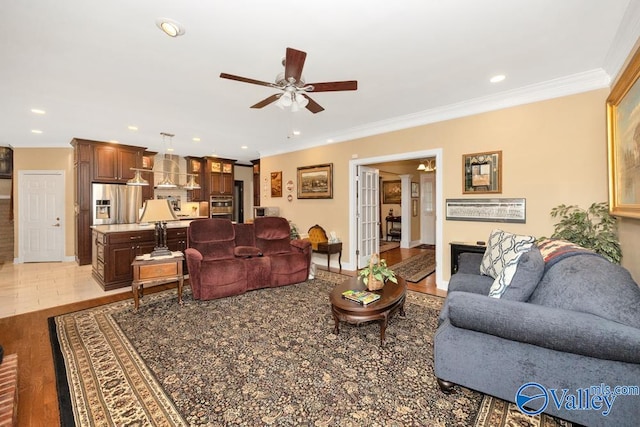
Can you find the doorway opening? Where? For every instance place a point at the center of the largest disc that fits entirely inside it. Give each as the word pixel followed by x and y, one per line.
pixel 406 204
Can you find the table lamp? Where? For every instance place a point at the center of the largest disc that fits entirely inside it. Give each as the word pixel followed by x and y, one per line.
pixel 159 211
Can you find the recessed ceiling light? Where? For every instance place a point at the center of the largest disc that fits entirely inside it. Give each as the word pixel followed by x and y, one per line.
pixel 196 139
pixel 329 140
pixel 170 27
pixel 38 111
pixel 132 127
pixel 38 131
pixel 497 78
pixel 114 141
pixel 296 132
pixel 244 147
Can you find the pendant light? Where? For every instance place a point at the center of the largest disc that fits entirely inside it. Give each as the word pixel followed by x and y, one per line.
pixel 138 180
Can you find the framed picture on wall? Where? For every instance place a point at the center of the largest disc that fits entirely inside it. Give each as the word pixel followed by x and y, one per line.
pixel 623 119
pixel 315 182
pixel 391 192
pixel 415 189
pixel 276 184
pixel 482 173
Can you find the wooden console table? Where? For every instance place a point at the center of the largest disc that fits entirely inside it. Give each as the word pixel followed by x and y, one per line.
pixel 394 232
pixel 458 248
pixel 156 271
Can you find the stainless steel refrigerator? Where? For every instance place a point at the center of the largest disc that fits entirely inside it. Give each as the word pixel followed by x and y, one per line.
pixel 115 203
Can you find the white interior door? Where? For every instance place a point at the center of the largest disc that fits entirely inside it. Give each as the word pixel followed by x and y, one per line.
pixel 41 213
pixel 368 213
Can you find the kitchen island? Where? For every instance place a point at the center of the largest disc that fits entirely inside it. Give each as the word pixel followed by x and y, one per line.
pixel 115 247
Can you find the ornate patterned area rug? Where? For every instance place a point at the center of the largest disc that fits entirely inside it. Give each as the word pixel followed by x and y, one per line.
pixel 267 357
pixel 417 267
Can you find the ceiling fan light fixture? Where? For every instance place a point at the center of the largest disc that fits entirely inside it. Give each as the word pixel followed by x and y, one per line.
pixel 170 27
pixel 301 100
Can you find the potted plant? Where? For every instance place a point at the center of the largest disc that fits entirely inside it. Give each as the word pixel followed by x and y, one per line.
pixel 593 228
pixel 375 274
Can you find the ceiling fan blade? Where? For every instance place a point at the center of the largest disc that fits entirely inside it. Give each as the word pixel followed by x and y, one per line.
pixel 245 80
pixel 312 106
pixel 334 86
pixel 267 101
pixel 293 64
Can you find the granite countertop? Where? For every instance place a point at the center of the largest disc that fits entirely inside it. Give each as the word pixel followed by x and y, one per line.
pixel 116 228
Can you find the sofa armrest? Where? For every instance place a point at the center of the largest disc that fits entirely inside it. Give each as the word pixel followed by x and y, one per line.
pixel 301 245
pixel 557 329
pixel 247 252
pixel 474 283
pixel 193 254
pixel 194 259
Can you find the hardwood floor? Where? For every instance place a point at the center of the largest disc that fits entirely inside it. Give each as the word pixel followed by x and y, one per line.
pixel 28 336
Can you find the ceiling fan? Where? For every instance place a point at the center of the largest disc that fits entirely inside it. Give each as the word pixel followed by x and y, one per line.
pixel 295 91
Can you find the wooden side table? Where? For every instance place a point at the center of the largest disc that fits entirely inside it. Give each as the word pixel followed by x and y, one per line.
pixel 331 248
pixel 156 271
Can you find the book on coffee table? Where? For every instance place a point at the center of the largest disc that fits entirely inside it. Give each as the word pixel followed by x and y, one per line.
pixel 361 297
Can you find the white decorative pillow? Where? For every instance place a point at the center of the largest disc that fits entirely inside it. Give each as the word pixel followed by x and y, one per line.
pixel 502 282
pixel 501 258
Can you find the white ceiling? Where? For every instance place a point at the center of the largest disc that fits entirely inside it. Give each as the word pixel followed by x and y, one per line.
pixel 97 67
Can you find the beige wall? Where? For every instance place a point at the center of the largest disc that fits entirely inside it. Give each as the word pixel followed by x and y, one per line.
pixel 47 159
pixel 553 151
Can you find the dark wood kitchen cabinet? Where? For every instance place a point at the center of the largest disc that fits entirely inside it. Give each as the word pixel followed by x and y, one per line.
pixel 113 252
pixel 256 182
pixel 196 166
pixel 221 176
pixel 113 163
pixel 82 165
pixel 97 161
pixel 147 163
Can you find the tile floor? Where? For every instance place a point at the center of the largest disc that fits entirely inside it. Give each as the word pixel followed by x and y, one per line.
pixel 35 286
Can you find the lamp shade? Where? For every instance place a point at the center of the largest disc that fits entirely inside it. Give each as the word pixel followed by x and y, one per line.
pixel 157 210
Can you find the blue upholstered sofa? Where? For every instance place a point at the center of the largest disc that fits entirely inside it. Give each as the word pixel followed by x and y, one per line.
pixel 570 325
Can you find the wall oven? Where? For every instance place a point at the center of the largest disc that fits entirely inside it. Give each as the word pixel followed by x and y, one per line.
pixel 221 207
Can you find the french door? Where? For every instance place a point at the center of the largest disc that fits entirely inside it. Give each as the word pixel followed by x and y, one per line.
pixel 368 213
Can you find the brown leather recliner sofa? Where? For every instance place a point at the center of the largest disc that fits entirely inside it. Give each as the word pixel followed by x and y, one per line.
pixel 226 259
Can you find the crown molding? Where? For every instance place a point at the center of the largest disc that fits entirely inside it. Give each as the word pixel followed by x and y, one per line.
pixel 564 86
pixel 625 40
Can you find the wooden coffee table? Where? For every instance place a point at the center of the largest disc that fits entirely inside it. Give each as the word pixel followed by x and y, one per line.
pixel 391 301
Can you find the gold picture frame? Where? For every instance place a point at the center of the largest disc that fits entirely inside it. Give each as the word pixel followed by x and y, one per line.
pixel 276 184
pixel 315 182
pixel 482 173
pixel 623 126
pixel 392 192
